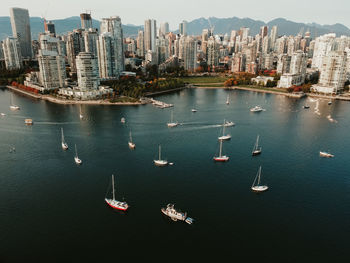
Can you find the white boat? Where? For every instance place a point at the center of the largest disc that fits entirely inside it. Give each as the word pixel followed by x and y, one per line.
pixel 256 109
pixel 160 162
pixel 227 100
pixel 171 212
pixel 224 137
pixel 327 155
pixel 172 123
pixel 330 102
pixel 229 124
pixel 80 113
pixel 257 187
pixel 2 114
pixel 221 158
pixel 76 158
pixel 122 120
pixel 257 149
pixel 63 143
pixel 123 206
pixel 13 106
pixel 194 110
pixel 28 121
pixel 131 144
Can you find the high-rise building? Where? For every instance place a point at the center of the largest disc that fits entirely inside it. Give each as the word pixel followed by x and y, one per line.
pixel 212 53
pixel 332 73
pixel 273 37
pixel 150 34
pixel 164 29
pixel 244 33
pixel 238 63
pixel 75 44
pixel 113 25
pixel 140 44
pixel 263 31
pixel 52 69
pixel 190 54
pixel 106 56
pixel 87 72
pixel 90 38
pixel 162 49
pixel 21 30
pixel 183 28
pixel 86 21
pixel 298 63
pixel 12 53
pixel 323 45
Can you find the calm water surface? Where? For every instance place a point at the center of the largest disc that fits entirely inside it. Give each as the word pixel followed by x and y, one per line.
pixel 52 210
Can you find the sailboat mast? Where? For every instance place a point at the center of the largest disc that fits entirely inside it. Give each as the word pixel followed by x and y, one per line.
pixel 220 153
pixel 113 186
pixel 62 135
pixel 130 136
pixel 259 175
pixel 76 151
pixel 159 152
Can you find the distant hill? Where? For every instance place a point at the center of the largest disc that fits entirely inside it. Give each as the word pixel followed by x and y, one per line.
pixel 62 26
pixel 195 27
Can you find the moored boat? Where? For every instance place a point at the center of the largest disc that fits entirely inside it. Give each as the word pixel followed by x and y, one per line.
pixel 28 121
pixel 256 109
pixel 257 187
pixel 326 154
pixel 123 206
pixel 160 162
pixel 63 143
pixel 257 149
pixel 221 158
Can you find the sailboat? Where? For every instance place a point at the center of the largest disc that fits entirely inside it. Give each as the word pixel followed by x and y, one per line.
pixel 114 203
pixel 131 144
pixel 172 123
pixel 221 158
pixel 63 143
pixel 76 158
pixel 258 187
pixel 257 149
pixel 80 113
pixel 227 100
pixel 13 106
pixel 224 137
pixel 160 162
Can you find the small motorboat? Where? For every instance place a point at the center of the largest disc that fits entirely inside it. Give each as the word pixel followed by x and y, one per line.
pixel 122 120
pixel 256 109
pixel 2 114
pixel 306 107
pixel 330 102
pixel 194 110
pixel 326 155
pixel 229 123
pixel 28 121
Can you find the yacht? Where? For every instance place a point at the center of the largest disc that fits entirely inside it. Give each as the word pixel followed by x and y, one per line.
pixel 229 124
pixel 63 143
pixel 76 158
pixel 194 110
pixel 224 137
pixel 327 155
pixel 160 162
pixel 12 105
pixel 306 107
pixel 256 109
pixel 257 149
pixel 123 206
pixel 221 158
pixel 257 187
pixel 28 121
pixel 172 123
pixel 175 215
pixel 131 144
pixel 122 120
pixel 2 114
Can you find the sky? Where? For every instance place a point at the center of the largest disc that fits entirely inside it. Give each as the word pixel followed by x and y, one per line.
pixel 174 11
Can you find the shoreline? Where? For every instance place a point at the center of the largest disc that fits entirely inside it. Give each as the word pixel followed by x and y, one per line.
pixel 296 96
pixel 70 102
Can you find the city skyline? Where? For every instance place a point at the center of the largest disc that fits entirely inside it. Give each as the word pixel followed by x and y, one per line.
pixel 307 12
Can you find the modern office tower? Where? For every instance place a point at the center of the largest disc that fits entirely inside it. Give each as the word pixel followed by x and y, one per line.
pixel 106 56
pixel 283 64
pixel 49 27
pixel 52 69
pixel 298 63
pixel 267 61
pixel 176 47
pixel 181 46
pixel 212 53
pixel 87 72
pixel 150 34
pixel 332 73
pixel 183 28
pixel 140 44
pixel 21 30
pixel 75 45
pixel 323 45
pixel 263 31
pixel 164 28
pixel 190 54
pixel 273 37
pixel 90 37
pixel 290 45
pixel 250 52
pixel 1 51
pixel 86 21
pixel 113 25
pixel 12 53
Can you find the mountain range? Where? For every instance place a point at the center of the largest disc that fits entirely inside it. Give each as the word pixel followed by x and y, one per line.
pixel 195 27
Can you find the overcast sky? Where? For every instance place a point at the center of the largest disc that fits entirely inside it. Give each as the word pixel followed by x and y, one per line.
pixel 174 11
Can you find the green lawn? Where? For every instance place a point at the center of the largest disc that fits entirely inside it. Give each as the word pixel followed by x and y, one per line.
pixel 204 80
